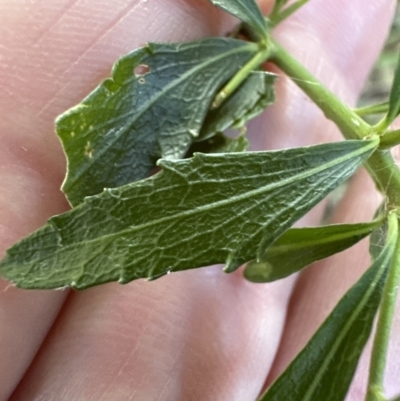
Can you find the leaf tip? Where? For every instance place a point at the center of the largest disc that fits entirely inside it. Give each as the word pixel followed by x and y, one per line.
pixel 258 272
pixel 232 263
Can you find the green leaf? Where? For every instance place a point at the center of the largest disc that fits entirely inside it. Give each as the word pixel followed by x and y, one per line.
pixel 279 4
pixel 278 7
pixel 245 10
pixel 220 144
pixel 153 106
pixel 215 208
pixel 300 247
pixel 323 370
pixel 248 101
pixel 394 98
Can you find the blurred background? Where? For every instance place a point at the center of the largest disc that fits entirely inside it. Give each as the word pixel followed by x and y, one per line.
pixel 378 86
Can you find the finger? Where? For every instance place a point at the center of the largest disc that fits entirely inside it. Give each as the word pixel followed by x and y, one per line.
pixel 29 193
pixel 51 54
pixel 26 200
pixel 153 325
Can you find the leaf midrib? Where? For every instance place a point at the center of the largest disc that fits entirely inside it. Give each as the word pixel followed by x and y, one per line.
pixel 221 203
pixel 317 377
pixel 309 243
pixel 255 21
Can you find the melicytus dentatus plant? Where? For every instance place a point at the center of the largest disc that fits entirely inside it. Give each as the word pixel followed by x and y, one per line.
pixel 213 202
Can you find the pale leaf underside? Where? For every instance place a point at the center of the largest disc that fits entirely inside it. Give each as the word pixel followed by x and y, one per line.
pixel 216 208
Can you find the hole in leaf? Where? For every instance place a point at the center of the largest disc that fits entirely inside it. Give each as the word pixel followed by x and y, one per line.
pixel 141 69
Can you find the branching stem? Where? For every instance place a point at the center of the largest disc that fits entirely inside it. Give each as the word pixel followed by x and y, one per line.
pixel 385 173
pixel 380 165
pixel 350 124
pixel 387 309
pixel 379 108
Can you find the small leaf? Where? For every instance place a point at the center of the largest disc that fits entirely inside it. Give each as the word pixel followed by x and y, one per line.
pixel 300 247
pixel 153 107
pixel 210 209
pixel 323 370
pixel 220 144
pixel 245 10
pixel 248 101
pixel 394 98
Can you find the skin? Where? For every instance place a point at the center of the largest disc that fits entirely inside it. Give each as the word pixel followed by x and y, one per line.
pixel 195 335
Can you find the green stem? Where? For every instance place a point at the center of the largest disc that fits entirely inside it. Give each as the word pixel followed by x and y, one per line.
pixel 350 124
pixel 384 171
pixel 378 108
pixel 243 73
pixel 277 18
pixel 380 165
pixel 390 139
pixel 382 125
pixel 387 309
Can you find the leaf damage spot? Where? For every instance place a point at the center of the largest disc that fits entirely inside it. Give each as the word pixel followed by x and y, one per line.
pixel 89 150
pixel 141 70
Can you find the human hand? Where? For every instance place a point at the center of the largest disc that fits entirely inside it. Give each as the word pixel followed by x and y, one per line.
pixel 192 335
